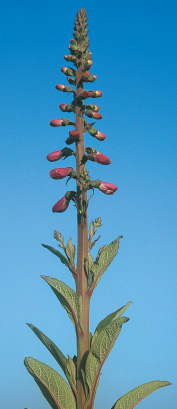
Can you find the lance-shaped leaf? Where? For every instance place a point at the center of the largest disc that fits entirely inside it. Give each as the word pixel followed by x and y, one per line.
pixel 103 261
pixel 57 253
pixel 97 355
pixel 68 299
pixel 132 398
pixel 57 354
pixel 70 251
pixel 114 315
pixel 62 258
pixel 54 388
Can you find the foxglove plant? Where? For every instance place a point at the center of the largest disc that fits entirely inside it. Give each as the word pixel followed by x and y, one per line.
pixel 82 371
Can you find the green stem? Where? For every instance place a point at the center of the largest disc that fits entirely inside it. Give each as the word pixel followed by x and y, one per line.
pixel 82 249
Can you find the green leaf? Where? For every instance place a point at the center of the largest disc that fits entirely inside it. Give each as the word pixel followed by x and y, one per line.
pixel 68 299
pixel 94 242
pixel 103 261
pixel 57 354
pixel 54 350
pixel 57 253
pixel 70 251
pixel 52 385
pixel 100 349
pixel 111 317
pixel 132 398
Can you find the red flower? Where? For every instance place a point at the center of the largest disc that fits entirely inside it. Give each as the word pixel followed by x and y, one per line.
pixel 100 158
pixel 61 205
pixel 107 188
pixel 60 173
pixel 52 157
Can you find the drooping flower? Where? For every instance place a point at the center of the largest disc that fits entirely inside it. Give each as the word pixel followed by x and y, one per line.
pixel 96 134
pixel 61 205
pixel 60 173
pixel 98 157
pixel 105 187
pixel 54 156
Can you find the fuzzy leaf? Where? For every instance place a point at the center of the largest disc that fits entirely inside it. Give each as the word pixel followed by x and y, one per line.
pixel 111 317
pixel 54 350
pixel 132 398
pixel 68 299
pixel 57 354
pixel 57 253
pixel 70 251
pixel 51 384
pixel 103 261
pixel 98 353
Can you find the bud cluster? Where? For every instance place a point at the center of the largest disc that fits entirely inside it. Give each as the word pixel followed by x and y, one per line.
pixel 81 57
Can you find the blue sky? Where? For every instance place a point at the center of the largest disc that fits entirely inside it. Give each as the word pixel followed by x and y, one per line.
pixel 134 58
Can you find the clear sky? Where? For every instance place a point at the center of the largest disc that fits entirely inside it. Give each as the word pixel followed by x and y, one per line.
pixel 134 57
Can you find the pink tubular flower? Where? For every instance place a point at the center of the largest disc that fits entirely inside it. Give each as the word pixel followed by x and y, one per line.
pixel 56 122
pixel 60 173
pixel 52 157
pixel 100 158
pixel 107 188
pixel 96 94
pixel 61 205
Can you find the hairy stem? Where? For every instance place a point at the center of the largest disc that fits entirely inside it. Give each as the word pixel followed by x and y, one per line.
pixel 82 248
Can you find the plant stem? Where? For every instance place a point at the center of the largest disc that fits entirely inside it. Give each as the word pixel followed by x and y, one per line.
pixel 82 248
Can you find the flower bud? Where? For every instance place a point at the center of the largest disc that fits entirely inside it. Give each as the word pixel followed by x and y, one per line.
pixel 105 187
pixel 59 173
pixel 68 71
pixel 99 158
pixel 94 115
pixel 85 76
pixel 71 58
pixel 69 141
pixel 92 78
pixel 94 108
pixel 61 122
pixel 87 65
pixel 61 205
pixel 64 88
pixel 85 94
pixel 96 94
pixel 99 135
pixel 72 81
pixel 74 135
pixel 66 108
pixel 52 157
